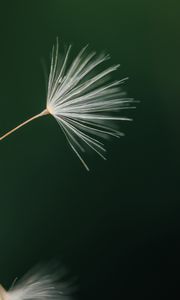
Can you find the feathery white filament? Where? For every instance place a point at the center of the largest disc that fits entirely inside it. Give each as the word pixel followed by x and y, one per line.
pixel 83 102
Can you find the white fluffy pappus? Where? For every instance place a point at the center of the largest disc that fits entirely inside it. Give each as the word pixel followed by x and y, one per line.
pixel 83 100
pixel 43 282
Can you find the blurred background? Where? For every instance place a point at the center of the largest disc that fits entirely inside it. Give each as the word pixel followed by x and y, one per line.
pixel 116 227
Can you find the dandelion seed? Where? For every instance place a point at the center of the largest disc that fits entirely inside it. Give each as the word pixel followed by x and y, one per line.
pixel 84 102
pixel 40 283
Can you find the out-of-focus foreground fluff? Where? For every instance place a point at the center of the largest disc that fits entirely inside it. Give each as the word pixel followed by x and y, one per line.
pixel 43 282
pixel 83 100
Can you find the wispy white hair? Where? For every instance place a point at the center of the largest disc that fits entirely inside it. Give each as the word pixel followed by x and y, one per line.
pixel 43 282
pixel 84 101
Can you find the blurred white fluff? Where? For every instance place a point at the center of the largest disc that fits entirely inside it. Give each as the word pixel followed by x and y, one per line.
pixel 44 282
pixel 83 103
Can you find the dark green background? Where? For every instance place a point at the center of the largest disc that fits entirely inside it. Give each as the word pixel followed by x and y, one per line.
pixel 116 227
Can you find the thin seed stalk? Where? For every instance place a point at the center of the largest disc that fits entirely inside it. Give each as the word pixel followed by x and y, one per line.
pixel 3 293
pixel 43 113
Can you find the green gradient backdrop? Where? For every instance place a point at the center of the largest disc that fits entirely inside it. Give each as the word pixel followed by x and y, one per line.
pixel 116 227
